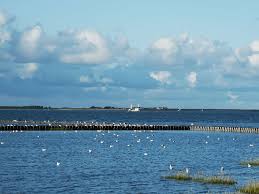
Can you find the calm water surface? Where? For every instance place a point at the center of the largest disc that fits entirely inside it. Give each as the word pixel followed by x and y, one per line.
pixel 123 161
pixel 123 167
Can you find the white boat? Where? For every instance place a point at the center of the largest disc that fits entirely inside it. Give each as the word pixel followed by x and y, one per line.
pixel 134 109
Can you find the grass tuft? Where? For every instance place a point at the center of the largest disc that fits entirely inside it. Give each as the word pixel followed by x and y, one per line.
pixel 180 176
pixel 254 162
pixel 220 180
pixel 251 188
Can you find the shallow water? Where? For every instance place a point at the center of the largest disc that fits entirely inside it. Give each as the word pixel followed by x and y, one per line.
pixel 25 168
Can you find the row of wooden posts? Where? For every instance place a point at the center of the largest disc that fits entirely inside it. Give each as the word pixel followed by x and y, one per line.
pixel 126 127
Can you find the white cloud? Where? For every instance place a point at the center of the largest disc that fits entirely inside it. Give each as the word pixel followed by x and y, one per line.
pixel 29 43
pixel 27 70
pixel 255 46
pixel 164 50
pixel 161 76
pixel 4 37
pixel 254 60
pixel 105 80
pixel 95 89
pixel 192 79
pixel 4 18
pixel 84 79
pixel 86 47
pixel 232 97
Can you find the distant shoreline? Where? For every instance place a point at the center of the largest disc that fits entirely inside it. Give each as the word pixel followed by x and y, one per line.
pixel 115 108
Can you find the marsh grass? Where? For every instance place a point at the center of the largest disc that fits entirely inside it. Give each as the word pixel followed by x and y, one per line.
pixel 219 180
pixel 251 188
pixel 180 176
pixel 254 162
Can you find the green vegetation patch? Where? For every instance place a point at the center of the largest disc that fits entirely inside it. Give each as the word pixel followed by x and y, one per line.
pixel 180 176
pixel 251 188
pixel 220 180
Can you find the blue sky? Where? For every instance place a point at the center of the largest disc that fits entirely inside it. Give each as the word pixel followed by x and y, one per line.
pixel 154 53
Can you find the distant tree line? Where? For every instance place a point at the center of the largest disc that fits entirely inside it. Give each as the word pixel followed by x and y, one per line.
pixel 25 107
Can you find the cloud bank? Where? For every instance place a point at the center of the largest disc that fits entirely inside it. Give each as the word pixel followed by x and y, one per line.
pixel 85 61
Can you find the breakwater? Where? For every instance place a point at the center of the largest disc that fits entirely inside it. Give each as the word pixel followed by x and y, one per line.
pixel 52 126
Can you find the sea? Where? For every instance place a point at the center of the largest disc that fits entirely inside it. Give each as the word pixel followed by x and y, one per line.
pixel 126 161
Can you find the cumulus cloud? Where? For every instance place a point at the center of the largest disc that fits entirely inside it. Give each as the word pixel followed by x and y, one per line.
pixel 162 76
pixel 254 60
pixel 255 46
pixel 27 70
pixel 95 80
pixel 192 79
pixel 84 79
pixel 95 89
pixel 88 47
pixel 29 43
pixel 232 97
pixel 5 18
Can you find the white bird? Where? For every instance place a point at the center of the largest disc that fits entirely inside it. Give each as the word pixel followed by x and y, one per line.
pixel 171 167
pixel 187 170
pixel 111 146
pixel 206 142
pixel 58 163
pixel 251 145
pixel 2 143
pixel 101 141
pixel 138 140
pixel 222 170
pixel 145 154
pixel 128 145
pixel 249 165
pixel 43 149
pixel 90 151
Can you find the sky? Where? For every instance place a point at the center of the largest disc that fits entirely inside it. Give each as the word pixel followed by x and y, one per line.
pixel 179 54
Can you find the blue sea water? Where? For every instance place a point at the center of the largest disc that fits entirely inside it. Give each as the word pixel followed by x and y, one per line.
pixel 123 161
pixel 244 118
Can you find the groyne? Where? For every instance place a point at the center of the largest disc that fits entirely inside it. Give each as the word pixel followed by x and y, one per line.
pixel 52 126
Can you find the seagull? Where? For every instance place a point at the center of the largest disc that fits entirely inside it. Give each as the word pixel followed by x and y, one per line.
pixel 251 145
pixel 206 142
pixel 222 170
pixel 145 154
pixel 249 165
pixel 90 151
pixel 128 145
pixel 138 140
pixel 187 170
pixel 58 163
pixel 2 143
pixel 171 167
pixel 101 141
pixel 43 149
pixel 111 146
